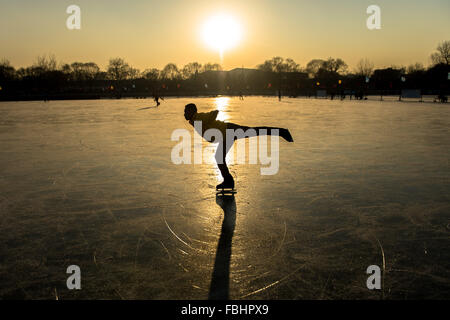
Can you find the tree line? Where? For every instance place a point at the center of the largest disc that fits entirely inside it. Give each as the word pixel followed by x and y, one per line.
pixel 118 69
pixel 48 77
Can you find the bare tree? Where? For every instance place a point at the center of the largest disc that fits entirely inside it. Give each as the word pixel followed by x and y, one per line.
pixel 118 69
pixel 313 66
pixel 82 71
pixel 191 69
pixel 5 62
pixel 67 69
pixel 46 63
pixel 417 67
pixel 212 67
pixel 364 68
pixel 273 65
pixel 170 72
pixel 151 74
pixel 7 72
pixel 443 53
pixel 335 65
pixel 266 66
pixel 278 64
pixel 291 65
pixel 134 73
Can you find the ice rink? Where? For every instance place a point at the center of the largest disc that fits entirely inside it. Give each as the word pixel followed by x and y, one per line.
pixel 91 183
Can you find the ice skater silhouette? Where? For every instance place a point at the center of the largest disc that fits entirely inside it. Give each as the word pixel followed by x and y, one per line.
pixel 209 122
pixel 156 97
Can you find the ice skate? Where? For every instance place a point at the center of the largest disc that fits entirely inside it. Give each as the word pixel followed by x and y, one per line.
pixel 226 187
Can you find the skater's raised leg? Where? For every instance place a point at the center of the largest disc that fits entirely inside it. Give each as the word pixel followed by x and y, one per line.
pixel 259 131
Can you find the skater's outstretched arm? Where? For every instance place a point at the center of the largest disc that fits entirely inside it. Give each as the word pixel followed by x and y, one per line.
pixel 258 131
pixel 206 117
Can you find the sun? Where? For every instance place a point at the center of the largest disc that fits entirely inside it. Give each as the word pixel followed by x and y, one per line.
pixel 221 32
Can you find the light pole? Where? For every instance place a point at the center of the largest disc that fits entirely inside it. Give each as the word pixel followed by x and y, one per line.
pixel 367 84
pixel 318 86
pixel 403 79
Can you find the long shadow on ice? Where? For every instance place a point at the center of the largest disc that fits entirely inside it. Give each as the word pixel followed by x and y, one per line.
pixel 220 281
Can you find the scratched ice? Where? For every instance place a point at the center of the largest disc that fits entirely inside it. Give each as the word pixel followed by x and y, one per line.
pixel 91 183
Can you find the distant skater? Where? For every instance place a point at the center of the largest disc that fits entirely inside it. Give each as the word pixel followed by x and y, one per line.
pixel 209 122
pixel 156 97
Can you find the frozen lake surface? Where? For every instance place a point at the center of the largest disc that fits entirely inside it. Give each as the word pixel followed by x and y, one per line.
pixel 91 183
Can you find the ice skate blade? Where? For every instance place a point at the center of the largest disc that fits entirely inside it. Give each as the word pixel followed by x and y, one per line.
pixel 225 191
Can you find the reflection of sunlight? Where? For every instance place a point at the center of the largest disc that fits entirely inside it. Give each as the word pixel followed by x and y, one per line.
pixel 222 105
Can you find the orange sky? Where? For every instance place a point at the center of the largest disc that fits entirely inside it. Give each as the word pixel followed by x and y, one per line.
pixel 152 33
